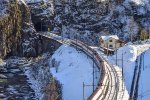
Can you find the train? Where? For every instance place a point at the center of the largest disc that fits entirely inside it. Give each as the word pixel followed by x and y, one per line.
pixel 105 76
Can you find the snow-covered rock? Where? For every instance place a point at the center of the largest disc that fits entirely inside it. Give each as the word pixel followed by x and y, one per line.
pixel 86 19
pixel 89 19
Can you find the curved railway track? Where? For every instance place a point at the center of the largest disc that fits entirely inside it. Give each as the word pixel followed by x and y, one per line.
pixel 107 88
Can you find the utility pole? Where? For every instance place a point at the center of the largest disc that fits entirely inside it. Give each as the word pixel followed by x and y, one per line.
pixel 138 78
pixel 116 53
pixel 107 49
pixel 96 73
pixel 131 37
pixel 62 36
pixel 41 24
pixel 133 80
pixel 76 40
pixel 116 92
pixel 149 32
pixel 84 86
pixel 93 74
pixel 83 91
pixel 143 60
pixel 122 72
pixel 116 57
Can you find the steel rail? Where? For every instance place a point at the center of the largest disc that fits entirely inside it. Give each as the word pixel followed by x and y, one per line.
pixel 107 86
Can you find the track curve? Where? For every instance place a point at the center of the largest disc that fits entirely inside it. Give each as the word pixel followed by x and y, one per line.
pixel 107 88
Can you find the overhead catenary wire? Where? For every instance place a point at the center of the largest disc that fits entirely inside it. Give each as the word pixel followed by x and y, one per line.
pixel 112 72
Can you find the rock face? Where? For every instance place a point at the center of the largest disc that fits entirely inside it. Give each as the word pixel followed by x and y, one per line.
pixel 39 75
pixel 28 78
pixel 89 19
pixel 17 37
pixel 13 82
pixel 86 19
pixel 81 19
pixel 20 78
pixel 42 15
pixel 10 30
pixel 12 26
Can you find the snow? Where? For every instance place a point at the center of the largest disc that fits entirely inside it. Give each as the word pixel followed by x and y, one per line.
pixel 34 1
pixel 130 53
pixel 123 93
pixel 74 68
pixel 144 89
pixel 35 85
pixel 110 36
pixel 138 2
pixel 22 1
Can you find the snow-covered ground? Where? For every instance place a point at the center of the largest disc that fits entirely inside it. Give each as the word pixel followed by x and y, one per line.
pixel 122 92
pixel 144 88
pixel 74 68
pixel 130 53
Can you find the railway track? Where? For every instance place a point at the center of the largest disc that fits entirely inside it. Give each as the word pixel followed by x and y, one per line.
pixel 107 88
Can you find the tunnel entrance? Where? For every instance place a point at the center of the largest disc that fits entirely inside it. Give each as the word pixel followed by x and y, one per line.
pixel 39 26
pixel 41 23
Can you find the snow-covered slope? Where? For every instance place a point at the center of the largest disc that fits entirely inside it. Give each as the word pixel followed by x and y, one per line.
pixel 130 53
pixel 74 68
pixel 144 88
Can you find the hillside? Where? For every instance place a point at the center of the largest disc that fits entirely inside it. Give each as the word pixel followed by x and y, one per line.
pixel 28 56
pixel 70 70
pixel 130 53
pixel 89 19
pixel 86 19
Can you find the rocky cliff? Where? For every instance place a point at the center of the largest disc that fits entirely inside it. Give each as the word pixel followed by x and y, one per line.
pixel 26 76
pixel 87 19
pixel 12 28
pixel 17 33
pixel 82 19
